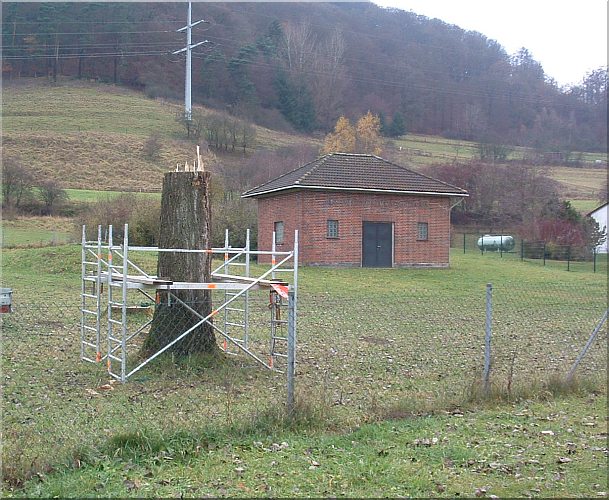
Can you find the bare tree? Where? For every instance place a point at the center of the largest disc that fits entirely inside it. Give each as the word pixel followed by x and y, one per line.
pixel 16 182
pixel 299 48
pixel 329 82
pixel 51 194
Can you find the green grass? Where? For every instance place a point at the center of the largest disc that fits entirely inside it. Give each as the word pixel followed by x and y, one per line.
pixel 585 206
pixel 85 108
pixel 36 231
pixel 372 344
pixel 90 195
pixel 503 451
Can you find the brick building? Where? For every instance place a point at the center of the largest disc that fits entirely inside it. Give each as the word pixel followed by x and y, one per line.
pixel 358 210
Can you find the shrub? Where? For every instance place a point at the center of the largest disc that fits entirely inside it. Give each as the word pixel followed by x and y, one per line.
pixel 142 215
pixel 16 182
pixel 51 195
pixel 151 150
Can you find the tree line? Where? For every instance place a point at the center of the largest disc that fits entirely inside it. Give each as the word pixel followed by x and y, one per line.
pixel 302 66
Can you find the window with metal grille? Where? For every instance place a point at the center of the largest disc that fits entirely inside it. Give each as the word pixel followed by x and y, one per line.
pixel 332 230
pixel 422 231
pixel 279 232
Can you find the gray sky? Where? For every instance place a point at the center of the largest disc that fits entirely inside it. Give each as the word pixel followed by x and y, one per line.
pixel 568 37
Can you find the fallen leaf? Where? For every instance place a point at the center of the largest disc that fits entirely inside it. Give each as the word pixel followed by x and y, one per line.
pixel 131 485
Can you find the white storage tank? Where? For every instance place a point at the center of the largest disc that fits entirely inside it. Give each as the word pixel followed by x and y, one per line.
pixel 493 243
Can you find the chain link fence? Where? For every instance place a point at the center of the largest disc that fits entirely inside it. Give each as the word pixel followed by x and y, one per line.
pixel 401 340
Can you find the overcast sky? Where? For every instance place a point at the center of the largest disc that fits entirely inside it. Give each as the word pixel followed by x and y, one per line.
pixel 568 37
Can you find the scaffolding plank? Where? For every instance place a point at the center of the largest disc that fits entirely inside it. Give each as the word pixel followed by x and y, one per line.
pixel 144 280
pixel 245 279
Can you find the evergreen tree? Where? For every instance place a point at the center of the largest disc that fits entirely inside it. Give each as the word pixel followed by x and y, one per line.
pixel 295 103
pixel 384 128
pixel 398 125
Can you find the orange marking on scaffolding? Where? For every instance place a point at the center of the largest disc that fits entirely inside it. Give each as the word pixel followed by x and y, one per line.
pixel 98 357
pixel 212 286
pixel 109 256
pixel 108 363
pixel 226 256
pixel 273 261
pixel 224 345
pixel 214 312
pixel 281 290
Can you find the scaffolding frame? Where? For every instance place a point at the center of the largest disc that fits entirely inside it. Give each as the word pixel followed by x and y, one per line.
pixel 119 274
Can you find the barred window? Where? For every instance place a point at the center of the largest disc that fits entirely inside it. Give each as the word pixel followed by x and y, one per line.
pixel 422 231
pixel 332 231
pixel 279 232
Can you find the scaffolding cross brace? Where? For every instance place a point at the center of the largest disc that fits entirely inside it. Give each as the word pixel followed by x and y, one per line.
pixel 112 266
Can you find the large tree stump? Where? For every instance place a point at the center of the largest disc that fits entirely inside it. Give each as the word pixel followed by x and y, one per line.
pixel 185 223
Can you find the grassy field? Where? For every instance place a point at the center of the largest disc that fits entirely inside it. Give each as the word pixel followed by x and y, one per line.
pixel 386 363
pixel 36 231
pixel 89 195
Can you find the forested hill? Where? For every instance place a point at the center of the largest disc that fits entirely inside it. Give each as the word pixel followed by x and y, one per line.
pixel 301 65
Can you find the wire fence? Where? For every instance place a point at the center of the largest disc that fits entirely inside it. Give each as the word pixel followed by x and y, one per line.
pixel 513 247
pixel 419 338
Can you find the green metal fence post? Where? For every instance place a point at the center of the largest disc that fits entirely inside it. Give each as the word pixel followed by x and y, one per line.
pixel 544 253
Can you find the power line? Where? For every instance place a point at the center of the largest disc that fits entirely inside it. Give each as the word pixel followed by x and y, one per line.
pixel 56 33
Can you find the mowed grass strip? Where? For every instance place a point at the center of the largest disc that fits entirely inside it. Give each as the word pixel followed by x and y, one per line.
pixel 32 231
pixel 71 107
pixel 371 343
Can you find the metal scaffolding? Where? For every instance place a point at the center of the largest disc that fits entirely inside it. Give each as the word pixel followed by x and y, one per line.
pixel 110 333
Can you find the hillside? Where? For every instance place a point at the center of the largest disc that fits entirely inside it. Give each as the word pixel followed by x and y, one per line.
pixel 301 65
pixel 90 136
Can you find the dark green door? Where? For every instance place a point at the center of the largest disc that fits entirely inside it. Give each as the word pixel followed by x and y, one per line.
pixel 377 244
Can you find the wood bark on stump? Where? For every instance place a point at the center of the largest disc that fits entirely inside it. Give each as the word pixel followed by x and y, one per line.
pixel 185 223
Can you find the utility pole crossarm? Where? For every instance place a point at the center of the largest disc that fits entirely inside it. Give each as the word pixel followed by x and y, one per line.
pixel 191 25
pixel 190 47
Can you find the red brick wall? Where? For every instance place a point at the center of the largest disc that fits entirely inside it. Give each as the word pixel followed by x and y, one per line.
pixel 309 210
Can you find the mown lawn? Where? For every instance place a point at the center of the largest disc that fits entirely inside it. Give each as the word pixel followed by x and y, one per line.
pixel 373 344
pixel 36 231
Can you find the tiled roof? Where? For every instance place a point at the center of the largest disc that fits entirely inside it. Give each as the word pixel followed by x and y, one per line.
pixel 356 172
